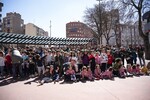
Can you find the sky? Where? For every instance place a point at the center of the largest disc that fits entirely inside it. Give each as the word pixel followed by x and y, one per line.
pixel 41 12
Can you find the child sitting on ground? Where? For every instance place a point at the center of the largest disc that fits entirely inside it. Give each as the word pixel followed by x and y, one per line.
pixel 138 69
pixel 108 74
pixel 144 70
pixel 97 72
pixel 47 76
pixel 148 65
pixel 56 75
pixel 90 75
pixel 116 66
pixel 70 74
pixel 122 71
pixel 129 69
pixel 85 74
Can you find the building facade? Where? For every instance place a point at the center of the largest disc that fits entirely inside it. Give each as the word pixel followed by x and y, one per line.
pixel 78 30
pixel 130 35
pixel 1 5
pixel 31 29
pixel 13 23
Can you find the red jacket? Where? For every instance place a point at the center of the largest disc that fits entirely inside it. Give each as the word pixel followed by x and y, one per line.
pixel 110 59
pixel 8 59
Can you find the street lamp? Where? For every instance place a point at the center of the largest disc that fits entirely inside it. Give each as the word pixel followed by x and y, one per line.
pixel 100 24
pixel 50 28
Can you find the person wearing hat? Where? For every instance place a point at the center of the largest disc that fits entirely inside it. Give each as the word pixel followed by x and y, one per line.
pixel 117 66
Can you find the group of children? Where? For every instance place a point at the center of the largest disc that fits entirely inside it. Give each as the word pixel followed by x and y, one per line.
pixel 52 66
pixel 86 74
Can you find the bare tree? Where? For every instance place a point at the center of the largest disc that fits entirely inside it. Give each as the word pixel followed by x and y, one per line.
pixel 93 21
pixel 133 8
pixel 107 26
pixel 101 20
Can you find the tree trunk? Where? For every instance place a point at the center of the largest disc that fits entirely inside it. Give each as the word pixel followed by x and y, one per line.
pixel 147 47
pixel 145 37
pixel 107 41
pixel 98 41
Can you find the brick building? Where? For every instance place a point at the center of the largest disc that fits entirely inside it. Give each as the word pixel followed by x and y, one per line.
pixel 78 30
pixel 13 23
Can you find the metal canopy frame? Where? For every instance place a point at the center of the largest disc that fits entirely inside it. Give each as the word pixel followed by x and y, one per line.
pixel 12 38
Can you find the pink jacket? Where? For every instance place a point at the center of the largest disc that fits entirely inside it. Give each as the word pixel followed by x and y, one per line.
pixel 138 69
pixel 90 76
pixel 107 73
pixel 97 72
pixel 98 59
pixel 84 73
pixel 130 70
pixel 71 72
pixel 121 70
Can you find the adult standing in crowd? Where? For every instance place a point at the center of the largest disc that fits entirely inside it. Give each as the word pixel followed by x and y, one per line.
pixel 122 54
pixel 59 62
pixel 92 61
pixel 140 52
pixel 98 59
pixel 17 60
pixel 2 63
pixel 85 58
pixel 110 59
pixel 8 63
pixel 104 61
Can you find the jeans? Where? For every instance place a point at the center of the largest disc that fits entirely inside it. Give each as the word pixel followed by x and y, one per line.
pixel 140 59
pixel 17 70
pixel 41 68
pixel 46 79
pixel 2 70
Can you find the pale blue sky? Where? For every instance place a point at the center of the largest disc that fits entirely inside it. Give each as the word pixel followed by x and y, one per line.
pixel 40 12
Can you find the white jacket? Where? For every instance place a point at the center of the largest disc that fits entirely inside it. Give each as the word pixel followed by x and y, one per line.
pixel 2 61
pixel 104 58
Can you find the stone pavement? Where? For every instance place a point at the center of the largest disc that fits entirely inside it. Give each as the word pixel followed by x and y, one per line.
pixel 131 88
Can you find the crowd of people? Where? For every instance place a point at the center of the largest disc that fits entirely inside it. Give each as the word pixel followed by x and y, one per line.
pixel 72 64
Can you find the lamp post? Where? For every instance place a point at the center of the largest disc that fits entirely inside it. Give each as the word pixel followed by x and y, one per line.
pixel 100 26
pixel 50 28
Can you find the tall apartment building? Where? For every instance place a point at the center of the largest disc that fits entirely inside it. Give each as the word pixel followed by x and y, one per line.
pixel 1 5
pixel 13 23
pixel 31 29
pixel 78 30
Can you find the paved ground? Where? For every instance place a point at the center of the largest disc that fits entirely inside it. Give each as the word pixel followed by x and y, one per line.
pixel 131 88
pixel 136 88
